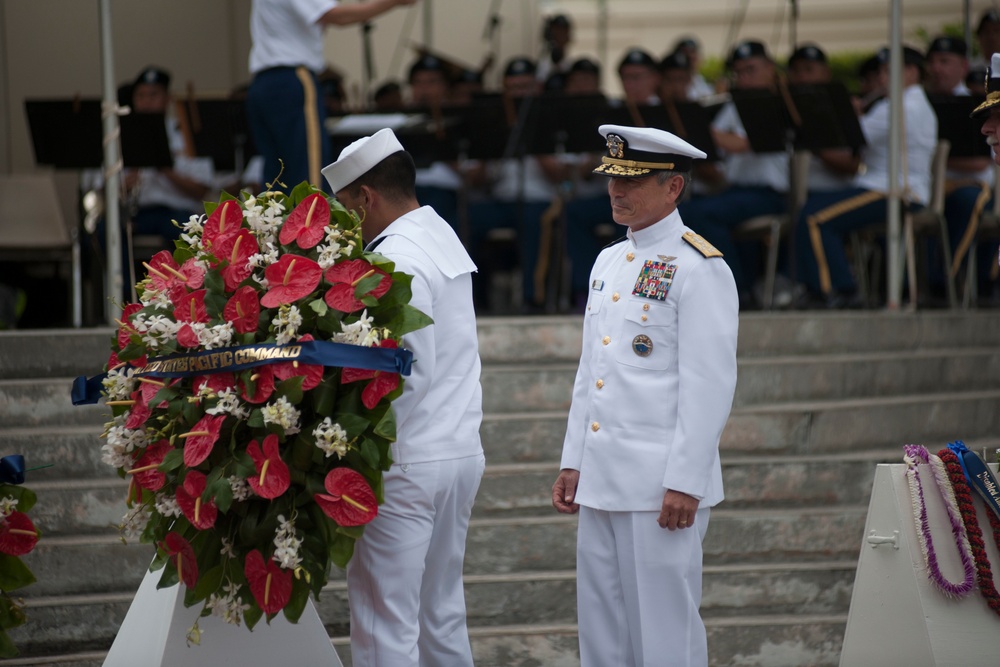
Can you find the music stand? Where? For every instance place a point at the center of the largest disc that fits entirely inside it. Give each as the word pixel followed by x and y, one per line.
pixel 955 125
pixel 220 131
pixel 828 118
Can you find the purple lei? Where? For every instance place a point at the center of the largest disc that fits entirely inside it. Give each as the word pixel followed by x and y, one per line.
pixel 912 455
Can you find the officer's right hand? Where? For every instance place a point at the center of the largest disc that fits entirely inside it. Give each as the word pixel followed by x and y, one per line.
pixel 564 491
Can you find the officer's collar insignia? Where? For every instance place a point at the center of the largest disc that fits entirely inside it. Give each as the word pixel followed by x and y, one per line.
pixel 642 345
pixel 616 146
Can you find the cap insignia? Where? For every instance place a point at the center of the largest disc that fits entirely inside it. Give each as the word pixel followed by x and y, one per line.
pixel 616 146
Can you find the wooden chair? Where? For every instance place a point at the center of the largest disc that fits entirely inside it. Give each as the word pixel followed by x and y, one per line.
pixel 989 228
pixel 771 228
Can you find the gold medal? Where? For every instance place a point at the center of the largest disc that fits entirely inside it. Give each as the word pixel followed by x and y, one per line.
pixel 642 345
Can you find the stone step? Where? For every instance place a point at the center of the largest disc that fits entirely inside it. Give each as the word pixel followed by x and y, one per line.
pixel 536 387
pixel 532 339
pixel 536 598
pixel 542 387
pixel 524 489
pixel 84 506
pixel 54 352
pixel 762 641
pixel 100 562
pixel 806 428
pixel 45 402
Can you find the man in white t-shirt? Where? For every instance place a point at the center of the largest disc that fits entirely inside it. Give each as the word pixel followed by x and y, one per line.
pixel 285 112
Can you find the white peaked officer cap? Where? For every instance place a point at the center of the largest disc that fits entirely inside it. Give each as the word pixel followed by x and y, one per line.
pixel 638 151
pixel 358 158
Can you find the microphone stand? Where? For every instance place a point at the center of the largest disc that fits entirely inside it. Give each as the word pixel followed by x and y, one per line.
pixel 368 73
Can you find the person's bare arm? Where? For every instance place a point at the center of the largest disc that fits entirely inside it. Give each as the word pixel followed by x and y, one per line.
pixel 357 13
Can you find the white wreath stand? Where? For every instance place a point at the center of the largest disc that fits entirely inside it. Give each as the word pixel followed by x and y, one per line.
pixel 155 629
pixel 897 616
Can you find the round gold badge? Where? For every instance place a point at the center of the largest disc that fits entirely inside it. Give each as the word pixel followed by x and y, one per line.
pixel 642 345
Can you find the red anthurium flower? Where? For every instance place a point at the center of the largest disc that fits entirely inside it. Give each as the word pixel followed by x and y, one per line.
pixel 271 586
pixel 187 337
pixel 201 438
pixel 263 384
pixel 139 412
pixel 306 225
pixel 243 310
pixel 351 501
pixel 149 386
pixel 225 222
pixel 290 279
pixel 216 382
pixel 313 372
pixel 182 556
pixel 272 478
pixel 18 535
pixel 145 471
pixel 345 276
pixel 125 329
pixel 166 274
pixel 381 383
pixel 190 307
pixel 201 514
pixel 236 250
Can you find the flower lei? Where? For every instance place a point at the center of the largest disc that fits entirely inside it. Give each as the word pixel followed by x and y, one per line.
pixel 251 482
pixel 18 536
pixel 964 496
pixel 914 454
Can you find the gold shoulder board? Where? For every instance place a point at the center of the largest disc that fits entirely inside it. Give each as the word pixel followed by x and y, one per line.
pixel 701 245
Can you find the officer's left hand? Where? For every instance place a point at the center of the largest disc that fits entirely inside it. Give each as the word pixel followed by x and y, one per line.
pixel 677 511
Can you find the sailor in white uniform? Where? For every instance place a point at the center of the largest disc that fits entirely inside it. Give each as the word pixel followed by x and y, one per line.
pixel 405 579
pixel 652 394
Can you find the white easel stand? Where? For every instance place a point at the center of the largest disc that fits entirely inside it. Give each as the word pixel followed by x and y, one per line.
pixel 155 628
pixel 898 617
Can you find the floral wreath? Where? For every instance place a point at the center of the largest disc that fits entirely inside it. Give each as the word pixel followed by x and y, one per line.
pixel 18 536
pixel 250 390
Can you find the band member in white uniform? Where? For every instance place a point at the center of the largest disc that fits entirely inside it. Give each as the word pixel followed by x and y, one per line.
pixel 653 392
pixel 405 579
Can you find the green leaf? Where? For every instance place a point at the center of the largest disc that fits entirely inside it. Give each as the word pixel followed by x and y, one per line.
pixel 300 192
pixel 252 616
pixel 353 424
pixel 319 307
pixel 173 460
pixel 7 648
pixel 210 207
pixel 165 394
pixel 290 389
pixel 297 604
pixel 353 532
pixel 224 496
pixel 169 577
pixel 14 574
pixel 132 351
pixel 25 497
pixel 256 419
pixel 407 319
pixel 341 550
pixel 11 614
pixel 208 583
pixel 366 285
pixel 214 282
pixel 215 304
pixel 370 453
pixel 324 397
pixel 386 426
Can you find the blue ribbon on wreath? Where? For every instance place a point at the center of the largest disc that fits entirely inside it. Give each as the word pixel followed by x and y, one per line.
pixel 978 475
pixel 12 469
pixel 87 391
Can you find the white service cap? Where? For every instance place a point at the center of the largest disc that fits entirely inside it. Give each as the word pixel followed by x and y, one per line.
pixel 359 157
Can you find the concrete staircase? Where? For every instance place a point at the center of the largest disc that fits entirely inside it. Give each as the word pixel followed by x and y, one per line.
pixel 820 400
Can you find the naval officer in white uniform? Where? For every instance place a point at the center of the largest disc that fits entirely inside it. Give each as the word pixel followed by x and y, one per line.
pixel 654 388
pixel 405 579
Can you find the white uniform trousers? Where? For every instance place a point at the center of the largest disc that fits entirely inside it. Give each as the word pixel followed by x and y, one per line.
pixel 638 591
pixel 405 579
